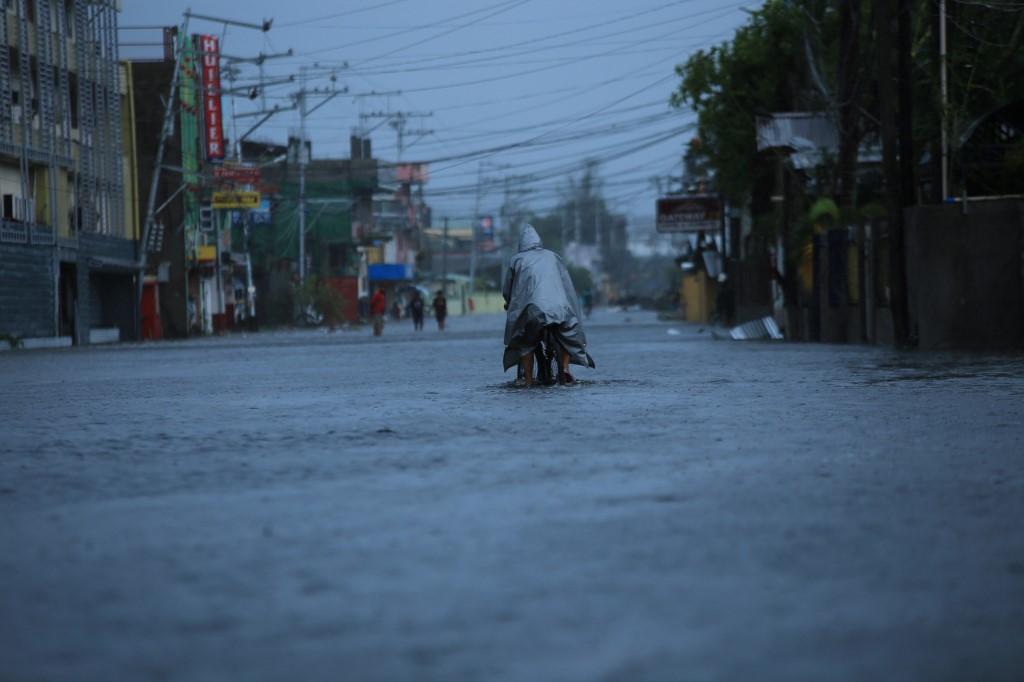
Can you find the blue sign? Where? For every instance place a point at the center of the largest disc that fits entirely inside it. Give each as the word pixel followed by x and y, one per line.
pixel 390 272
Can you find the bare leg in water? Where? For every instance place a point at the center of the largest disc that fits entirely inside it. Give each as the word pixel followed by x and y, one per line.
pixel 563 375
pixel 526 369
pixel 526 365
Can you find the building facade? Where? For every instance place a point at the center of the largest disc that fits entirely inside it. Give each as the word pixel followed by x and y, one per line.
pixel 69 222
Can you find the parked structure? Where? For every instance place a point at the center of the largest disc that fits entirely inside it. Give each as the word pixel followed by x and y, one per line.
pixel 69 224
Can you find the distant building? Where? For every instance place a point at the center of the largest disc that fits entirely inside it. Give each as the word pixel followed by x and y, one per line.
pixel 339 221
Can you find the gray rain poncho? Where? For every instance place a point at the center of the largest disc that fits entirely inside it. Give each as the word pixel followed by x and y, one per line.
pixel 539 293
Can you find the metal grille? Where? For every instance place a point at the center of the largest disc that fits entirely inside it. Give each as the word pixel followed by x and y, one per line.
pixel 85 186
pixel 25 90
pixel 13 233
pixel 39 129
pixel 63 86
pixel 6 129
pixel 47 121
pixel 116 177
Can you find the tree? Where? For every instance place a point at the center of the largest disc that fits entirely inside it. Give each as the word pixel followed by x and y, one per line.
pixel 760 71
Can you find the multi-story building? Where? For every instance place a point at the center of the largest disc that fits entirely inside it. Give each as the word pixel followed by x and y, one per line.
pixel 69 222
pixel 339 213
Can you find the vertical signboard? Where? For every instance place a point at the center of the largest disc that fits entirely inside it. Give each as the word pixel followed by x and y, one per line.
pixel 210 50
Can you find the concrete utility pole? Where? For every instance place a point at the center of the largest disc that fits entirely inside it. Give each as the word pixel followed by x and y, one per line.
pixel 304 111
pixel 252 91
pixel 444 258
pixel 481 182
pixel 476 227
pixel 398 120
pixel 166 132
pixel 302 175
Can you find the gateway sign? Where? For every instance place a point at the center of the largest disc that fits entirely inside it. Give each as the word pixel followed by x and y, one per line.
pixel 692 213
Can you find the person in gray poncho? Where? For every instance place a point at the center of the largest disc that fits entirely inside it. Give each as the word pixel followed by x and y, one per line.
pixel 540 299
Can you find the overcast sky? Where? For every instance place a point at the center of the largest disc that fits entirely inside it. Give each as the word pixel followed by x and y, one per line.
pixel 534 85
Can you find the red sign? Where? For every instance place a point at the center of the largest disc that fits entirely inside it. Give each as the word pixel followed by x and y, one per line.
pixel 242 175
pixel 209 47
pixel 412 172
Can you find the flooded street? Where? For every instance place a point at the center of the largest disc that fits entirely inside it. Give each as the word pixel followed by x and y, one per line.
pixel 334 506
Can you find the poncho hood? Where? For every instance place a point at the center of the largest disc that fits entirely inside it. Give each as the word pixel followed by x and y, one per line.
pixel 529 239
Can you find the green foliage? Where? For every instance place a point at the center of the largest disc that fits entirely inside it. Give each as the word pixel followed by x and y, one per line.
pixel 549 227
pixel 787 58
pixel 581 278
pixel 323 298
pixel 985 60
pixel 758 72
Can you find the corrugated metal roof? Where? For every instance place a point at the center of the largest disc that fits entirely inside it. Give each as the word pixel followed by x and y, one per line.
pixel 799 131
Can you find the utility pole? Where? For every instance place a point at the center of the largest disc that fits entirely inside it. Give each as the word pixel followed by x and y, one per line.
pixel 888 97
pixel 302 175
pixel 398 120
pixel 444 259
pixel 166 132
pixel 849 100
pixel 476 226
pixel 481 182
pixel 944 96
pixel 257 89
pixel 304 111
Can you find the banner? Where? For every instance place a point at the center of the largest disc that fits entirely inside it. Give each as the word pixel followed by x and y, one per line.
pixel 209 48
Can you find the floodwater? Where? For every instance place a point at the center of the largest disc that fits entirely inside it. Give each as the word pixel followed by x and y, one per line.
pixel 334 506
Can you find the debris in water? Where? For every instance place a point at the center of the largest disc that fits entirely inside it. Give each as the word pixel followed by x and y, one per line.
pixel 764 328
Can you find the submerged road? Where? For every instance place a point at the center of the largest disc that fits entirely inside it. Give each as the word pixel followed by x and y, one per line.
pixel 312 506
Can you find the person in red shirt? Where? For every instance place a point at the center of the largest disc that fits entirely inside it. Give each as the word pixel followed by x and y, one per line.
pixel 378 307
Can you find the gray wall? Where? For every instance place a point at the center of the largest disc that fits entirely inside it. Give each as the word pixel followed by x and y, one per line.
pixel 965 275
pixel 26 290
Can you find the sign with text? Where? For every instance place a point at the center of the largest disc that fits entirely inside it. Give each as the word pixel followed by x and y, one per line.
pixel 230 199
pixel 209 49
pixel 693 213
pixel 242 175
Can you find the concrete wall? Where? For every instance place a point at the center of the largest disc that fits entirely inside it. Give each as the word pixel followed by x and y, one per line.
pixel 965 272
pixel 27 295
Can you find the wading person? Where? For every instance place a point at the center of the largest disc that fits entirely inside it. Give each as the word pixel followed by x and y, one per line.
pixel 378 308
pixel 416 311
pixel 541 302
pixel 440 310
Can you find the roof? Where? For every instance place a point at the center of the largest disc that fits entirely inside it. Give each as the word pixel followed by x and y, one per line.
pixel 808 136
pixel 798 131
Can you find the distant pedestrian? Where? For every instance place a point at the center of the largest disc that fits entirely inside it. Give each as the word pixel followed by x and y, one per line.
pixel 416 311
pixel 378 308
pixel 440 310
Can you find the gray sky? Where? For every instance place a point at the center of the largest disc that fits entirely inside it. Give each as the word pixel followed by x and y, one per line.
pixel 538 86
